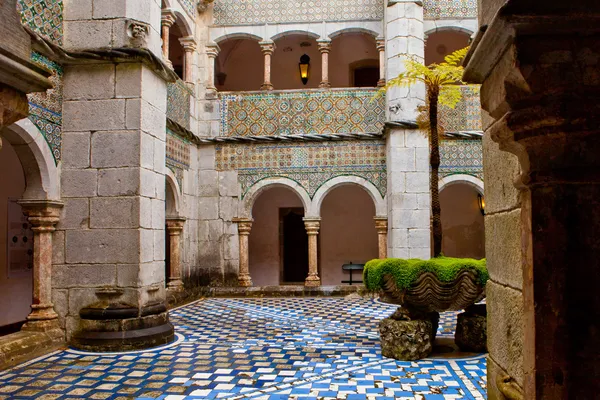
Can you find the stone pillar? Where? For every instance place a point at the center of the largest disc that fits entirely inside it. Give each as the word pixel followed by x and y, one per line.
pixel 244 228
pixel 212 51
pixel 312 229
pixel 267 48
pixel 189 46
pixel 540 75
pixel 380 42
pixel 43 216
pixel 174 230
pixel 324 48
pixel 381 225
pixel 167 20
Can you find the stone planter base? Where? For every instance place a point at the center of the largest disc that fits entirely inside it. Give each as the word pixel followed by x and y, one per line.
pixel 471 329
pixel 406 340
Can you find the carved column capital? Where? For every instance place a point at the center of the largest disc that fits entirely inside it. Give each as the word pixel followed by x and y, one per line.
pixel 312 225
pixel 167 18
pixel 188 43
pixel 212 50
pixel 324 45
pixel 381 224
pixel 175 225
pixel 380 43
pixel 244 225
pixel 267 47
pixel 43 214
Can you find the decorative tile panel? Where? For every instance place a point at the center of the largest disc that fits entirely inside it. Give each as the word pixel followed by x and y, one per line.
pixel 189 5
pixel 43 16
pixel 302 112
pixel 258 12
pixel 178 151
pixel 461 157
pixel 449 9
pixel 466 115
pixel 309 164
pixel 45 109
pixel 178 103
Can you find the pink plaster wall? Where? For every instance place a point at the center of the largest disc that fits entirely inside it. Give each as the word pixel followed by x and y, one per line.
pixel 16 291
pixel 346 50
pixel 243 62
pixel 264 252
pixel 462 222
pixel 439 45
pixel 347 232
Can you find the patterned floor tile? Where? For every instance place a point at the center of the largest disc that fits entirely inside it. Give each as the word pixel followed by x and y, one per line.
pixel 269 348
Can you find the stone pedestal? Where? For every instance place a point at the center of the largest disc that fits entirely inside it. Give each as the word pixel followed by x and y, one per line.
pixel 471 329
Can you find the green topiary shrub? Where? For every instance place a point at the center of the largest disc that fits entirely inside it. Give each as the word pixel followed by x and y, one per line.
pixel 406 272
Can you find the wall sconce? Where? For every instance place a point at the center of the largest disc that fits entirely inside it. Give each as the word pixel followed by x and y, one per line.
pixel 481 202
pixel 304 68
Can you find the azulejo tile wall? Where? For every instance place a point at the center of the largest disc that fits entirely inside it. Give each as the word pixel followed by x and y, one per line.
pixel 461 157
pixel 178 103
pixel 449 9
pixel 45 109
pixel 44 17
pixel 309 164
pixel 254 12
pixel 189 5
pixel 178 155
pixel 466 115
pixel 302 112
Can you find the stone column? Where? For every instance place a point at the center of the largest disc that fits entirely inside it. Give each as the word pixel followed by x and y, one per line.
pixel 267 48
pixel 212 51
pixel 381 225
pixel 312 229
pixel 324 48
pixel 174 230
pixel 167 20
pixel 43 216
pixel 244 228
pixel 189 46
pixel 540 75
pixel 380 42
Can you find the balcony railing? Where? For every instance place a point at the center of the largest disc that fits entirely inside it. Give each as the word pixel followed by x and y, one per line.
pixel 178 103
pixel 466 115
pixel 449 9
pixel 294 112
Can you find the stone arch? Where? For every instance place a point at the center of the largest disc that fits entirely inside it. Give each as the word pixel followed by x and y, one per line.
pixel 366 31
pixel 41 174
pixel 449 28
pixel 470 180
pixel 378 200
pixel 183 23
pixel 236 35
pixel 173 195
pixel 265 184
pixel 308 33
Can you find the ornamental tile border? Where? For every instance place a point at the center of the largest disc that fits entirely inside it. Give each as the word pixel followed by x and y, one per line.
pixel 43 16
pixel 178 103
pixel 301 112
pixel 258 12
pixel 461 157
pixel 449 9
pixel 466 115
pixel 189 6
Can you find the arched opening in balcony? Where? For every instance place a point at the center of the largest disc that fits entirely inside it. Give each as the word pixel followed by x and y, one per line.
pixel 441 43
pixel 239 64
pixel 354 59
pixel 285 65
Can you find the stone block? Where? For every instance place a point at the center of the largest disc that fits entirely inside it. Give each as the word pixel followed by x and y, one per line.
pixel 81 35
pixel 395 139
pixel 402 160
pixel 159 245
pixel 424 253
pixel 403 201
pixel 116 149
pixel 128 82
pixel 231 250
pixel 419 238
pixel 119 182
pixel 58 247
pixel 78 183
pixel 75 214
pixel 228 184
pixel 415 138
pixel 422 159
pixel 146 150
pixel 83 275
pixel 208 207
pixel 148 182
pixel 398 237
pixel 146 245
pixel 502 168
pixel 410 219
pixel 77 10
pixel 95 115
pixel 106 246
pixel 75 150
pixel 145 212
pixel 89 82
pixel 227 208
pixel 503 248
pixel 417 182
pixel 399 252
pixel 151 273
pixel 128 275
pixel 158 214
pixel 160 154
pixel 424 201
pixel 153 120
pixel 215 230
pixel 396 185
pixel 154 89
pixel 115 212
pixel 208 183
pixel 203 230
pixel 60 299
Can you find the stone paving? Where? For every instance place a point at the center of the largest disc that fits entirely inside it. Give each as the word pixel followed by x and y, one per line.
pixel 269 348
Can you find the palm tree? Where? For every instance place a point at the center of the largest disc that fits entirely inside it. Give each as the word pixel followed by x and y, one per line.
pixel 441 81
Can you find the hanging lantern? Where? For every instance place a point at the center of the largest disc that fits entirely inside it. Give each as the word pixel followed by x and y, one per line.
pixel 481 202
pixel 304 68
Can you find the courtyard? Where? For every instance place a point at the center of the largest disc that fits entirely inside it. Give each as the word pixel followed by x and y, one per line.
pixel 258 348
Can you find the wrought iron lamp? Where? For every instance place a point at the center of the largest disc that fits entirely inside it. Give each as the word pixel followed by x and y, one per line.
pixel 304 68
pixel 481 202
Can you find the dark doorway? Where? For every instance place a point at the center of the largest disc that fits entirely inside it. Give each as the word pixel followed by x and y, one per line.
pixel 366 76
pixel 294 245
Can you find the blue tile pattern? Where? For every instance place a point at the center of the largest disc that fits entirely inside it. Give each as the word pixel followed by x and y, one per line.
pixel 463 157
pixel 449 9
pixel 269 348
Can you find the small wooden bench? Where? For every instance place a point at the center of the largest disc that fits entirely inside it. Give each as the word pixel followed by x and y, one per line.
pixel 352 267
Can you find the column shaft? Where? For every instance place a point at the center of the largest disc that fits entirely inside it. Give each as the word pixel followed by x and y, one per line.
pixel 244 228
pixel 212 51
pixel 189 46
pixel 174 230
pixel 324 48
pixel 381 49
pixel 267 49
pixel 312 229
pixel 167 20
pixel 381 225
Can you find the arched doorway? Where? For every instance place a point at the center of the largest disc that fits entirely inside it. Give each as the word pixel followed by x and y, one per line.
pixel 354 60
pixel 239 65
pixel 348 233
pixel 462 221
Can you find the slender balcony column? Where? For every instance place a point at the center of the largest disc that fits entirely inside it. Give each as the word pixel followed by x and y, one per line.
pixel 312 229
pixel 174 229
pixel 244 228
pixel 43 216
pixel 381 225
pixel 381 49
pixel 189 46
pixel 167 20
pixel 212 51
pixel 267 48
pixel 324 48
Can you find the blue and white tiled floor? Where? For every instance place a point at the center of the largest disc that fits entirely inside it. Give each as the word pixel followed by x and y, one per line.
pixel 270 348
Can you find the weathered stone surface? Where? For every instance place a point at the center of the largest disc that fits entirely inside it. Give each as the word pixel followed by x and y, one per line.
pixel 406 340
pixel 82 82
pixel 115 212
pixel 102 246
pixel 503 248
pixel 502 168
pixel 119 182
pixel 78 183
pixel 471 330
pixel 116 149
pixel 75 147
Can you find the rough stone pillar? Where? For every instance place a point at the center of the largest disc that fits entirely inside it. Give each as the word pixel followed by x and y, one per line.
pixel 540 70
pixel 212 51
pixel 189 46
pixel 267 48
pixel 43 216
pixel 381 225
pixel 167 21
pixel 324 48
pixel 244 228
pixel 312 229
pixel 174 230
pixel 380 42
